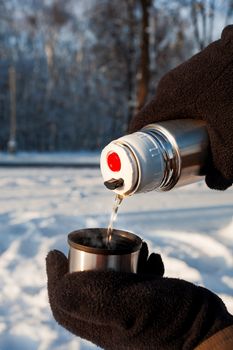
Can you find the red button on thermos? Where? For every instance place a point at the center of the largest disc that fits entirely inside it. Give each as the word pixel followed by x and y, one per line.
pixel 114 162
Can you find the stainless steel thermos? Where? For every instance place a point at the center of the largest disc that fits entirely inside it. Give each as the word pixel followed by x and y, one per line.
pixel 158 157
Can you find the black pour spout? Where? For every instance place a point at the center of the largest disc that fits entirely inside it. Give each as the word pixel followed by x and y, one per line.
pixel 112 184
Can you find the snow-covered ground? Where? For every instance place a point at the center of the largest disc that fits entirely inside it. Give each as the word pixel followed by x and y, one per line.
pixel 191 227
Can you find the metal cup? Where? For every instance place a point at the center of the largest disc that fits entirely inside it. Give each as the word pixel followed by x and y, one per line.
pixel 89 251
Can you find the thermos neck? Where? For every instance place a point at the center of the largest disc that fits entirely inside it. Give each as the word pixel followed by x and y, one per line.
pixel 170 153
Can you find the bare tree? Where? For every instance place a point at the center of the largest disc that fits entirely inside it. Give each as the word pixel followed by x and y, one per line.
pixel 12 85
pixel 144 65
pixel 229 11
pixel 130 59
pixel 203 16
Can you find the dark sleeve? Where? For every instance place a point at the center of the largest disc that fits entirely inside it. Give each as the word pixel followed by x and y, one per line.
pixel 222 340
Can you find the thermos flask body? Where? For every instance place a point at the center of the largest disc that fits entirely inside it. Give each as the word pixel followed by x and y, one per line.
pixel 158 157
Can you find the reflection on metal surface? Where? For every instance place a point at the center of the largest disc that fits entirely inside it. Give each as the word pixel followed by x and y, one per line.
pixel 122 256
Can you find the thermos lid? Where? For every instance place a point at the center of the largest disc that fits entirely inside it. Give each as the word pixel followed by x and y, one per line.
pixel 133 163
pixel 119 168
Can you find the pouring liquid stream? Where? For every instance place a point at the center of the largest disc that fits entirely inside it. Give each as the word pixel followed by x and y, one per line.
pixel 117 202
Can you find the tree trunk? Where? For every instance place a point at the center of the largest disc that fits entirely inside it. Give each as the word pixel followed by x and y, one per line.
pixel 130 62
pixel 12 84
pixel 144 67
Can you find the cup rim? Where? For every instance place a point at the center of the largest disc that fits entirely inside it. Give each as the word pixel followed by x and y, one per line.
pixel 103 251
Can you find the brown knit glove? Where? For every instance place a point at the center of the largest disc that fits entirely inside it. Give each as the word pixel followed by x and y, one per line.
pixel 121 311
pixel 201 88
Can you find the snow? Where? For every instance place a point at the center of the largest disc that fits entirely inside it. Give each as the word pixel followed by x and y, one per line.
pixel 192 227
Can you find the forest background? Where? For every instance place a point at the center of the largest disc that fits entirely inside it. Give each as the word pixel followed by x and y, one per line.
pixel 73 73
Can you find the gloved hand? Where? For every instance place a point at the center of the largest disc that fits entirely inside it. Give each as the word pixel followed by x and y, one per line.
pixel 201 88
pixel 143 311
